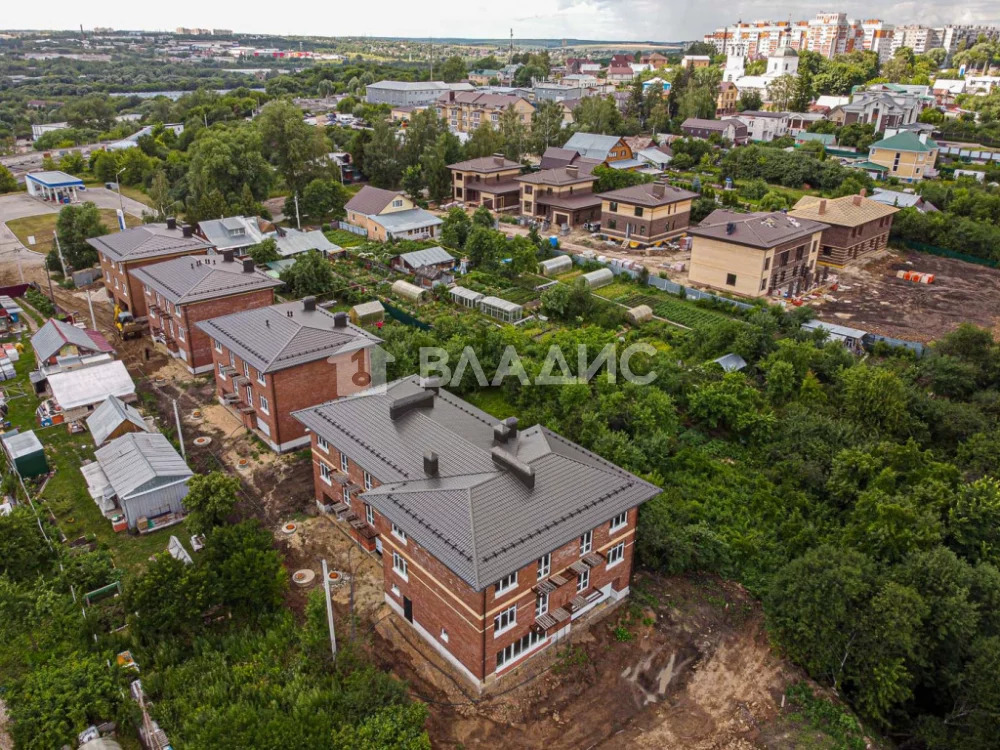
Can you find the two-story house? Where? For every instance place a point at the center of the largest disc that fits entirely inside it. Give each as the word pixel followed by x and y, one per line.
pixel 646 214
pixel 180 292
pixel 388 214
pixel 235 232
pixel 905 155
pixel 754 255
pixel 563 196
pixel 729 129
pixel 486 181
pixel 271 361
pixel 464 111
pixel 764 126
pixel 857 226
pixel 495 541
pixel 120 253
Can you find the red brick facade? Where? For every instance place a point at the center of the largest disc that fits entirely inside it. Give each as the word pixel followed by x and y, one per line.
pixel 125 291
pixel 458 620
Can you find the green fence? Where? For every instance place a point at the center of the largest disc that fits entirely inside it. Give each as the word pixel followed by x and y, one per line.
pixel 404 317
pixel 945 253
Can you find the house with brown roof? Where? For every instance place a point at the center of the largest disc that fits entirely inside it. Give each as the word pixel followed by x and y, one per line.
pixel 754 255
pixel 620 73
pixel 857 225
pixel 180 292
pixel 656 60
pixel 464 111
pixel 729 129
pixel 487 181
pixel 271 361
pixel 646 214
pixel 563 196
pixel 496 541
pixel 387 214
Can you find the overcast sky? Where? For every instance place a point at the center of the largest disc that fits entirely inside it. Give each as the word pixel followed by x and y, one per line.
pixel 661 20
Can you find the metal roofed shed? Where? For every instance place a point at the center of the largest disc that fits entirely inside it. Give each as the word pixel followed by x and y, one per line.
pixel 501 309
pixel 554 266
pixel 852 338
pixel 731 362
pixel 59 338
pixel 639 314
pixel 409 291
pixel 26 452
pixel 293 242
pixel 367 313
pixel 78 392
pixel 465 297
pixel 430 256
pixel 114 418
pixel 597 279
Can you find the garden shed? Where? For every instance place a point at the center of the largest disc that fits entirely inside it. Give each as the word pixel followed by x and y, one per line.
pixel 465 297
pixel 639 314
pixel 367 313
pixel 556 265
pixel 501 309
pixel 26 453
pixel 597 279
pixel 114 418
pixel 409 291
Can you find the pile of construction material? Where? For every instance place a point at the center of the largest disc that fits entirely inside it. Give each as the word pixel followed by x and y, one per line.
pixel 915 276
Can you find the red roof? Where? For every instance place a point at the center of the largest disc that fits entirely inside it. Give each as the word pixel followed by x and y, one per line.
pixel 99 341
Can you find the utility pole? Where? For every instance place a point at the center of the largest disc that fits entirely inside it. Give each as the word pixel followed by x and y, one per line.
pixel 62 261
pixel 93 318
pixel 329 610
pixel 17 255
pixel 180 434
pixel 48 276
pixel 118 187
pixel 298 221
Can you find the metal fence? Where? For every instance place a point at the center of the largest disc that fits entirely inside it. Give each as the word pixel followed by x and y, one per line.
pixel 351 228
pixel 944 252
pixel 404 317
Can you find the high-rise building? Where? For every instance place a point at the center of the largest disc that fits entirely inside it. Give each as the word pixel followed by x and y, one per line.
pixel 878 38
pixel 829 34
pixel 952 36
pixel 918 38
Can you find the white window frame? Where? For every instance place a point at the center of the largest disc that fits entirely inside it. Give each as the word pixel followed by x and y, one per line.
pixel 344 462
pixel 218 346
pixel 503 621
pixel 517 648
pixel 370 514
pixel 222 375
pixel 620 521
pixel 583 582
pixel 400 567
pixel 444 635
pixel 322 444
pixel 265 406
pixel 618 553
pixel 587 542
pixel 346 495
pixel 246 370
pixel 368 481
pixel 544 565
pixel 398 533
pixel 325 474
pixel 505 584
pixel 541 605
pixel 261 378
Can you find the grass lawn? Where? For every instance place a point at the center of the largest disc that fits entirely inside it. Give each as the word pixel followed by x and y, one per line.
pixel 491 400
pixel 65 495
pixel 43 226
pixel 128 191
pixel 343 238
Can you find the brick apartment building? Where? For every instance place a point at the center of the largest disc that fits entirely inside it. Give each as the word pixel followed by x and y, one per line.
pixel 856 226
pixel 562 196
pixel 273 360
pixel 486 181
pixel 121 253
pixel 180 292
pixel 646 214
pixel 494 540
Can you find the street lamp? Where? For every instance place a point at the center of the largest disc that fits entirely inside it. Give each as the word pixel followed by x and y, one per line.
pixel 118 187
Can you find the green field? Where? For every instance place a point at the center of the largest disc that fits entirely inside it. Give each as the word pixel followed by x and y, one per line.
pixel 43 226
pixel 343 238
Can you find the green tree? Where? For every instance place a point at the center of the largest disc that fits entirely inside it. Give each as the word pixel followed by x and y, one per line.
pixel 483 217
pixel 434 166
pixel 310 274
pixel 547 126
pixel 783 90
pixel 750 101
pixel 484 141
pixel 484 247
pixel 597 114
pixel 514 133
pixel 413 182
pixel 324 198
pixel 168 599
pixel 225 160
pixel 159 194
pixel 245 570
pixel 212 497
pixel 75 225
pixel 875 398
pixel 773 201
pixel 455 228
pixel 289 143
pixel 395 727
pixel 454 69
pixel 265 251
pixel 8 183
pixel 23 552
pixel 383 161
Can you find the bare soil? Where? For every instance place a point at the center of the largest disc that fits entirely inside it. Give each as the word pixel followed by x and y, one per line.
pixel 871 298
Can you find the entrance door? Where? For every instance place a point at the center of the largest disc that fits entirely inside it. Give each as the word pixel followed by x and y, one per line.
pixel 407 609
pixel 378 544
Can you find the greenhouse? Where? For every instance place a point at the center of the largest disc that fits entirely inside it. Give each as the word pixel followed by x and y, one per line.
pixel 556 265
pixel 599 278
pixel 367 313
pixel 464 297
pixel 639 314
pixel 501 309
pixel 409 291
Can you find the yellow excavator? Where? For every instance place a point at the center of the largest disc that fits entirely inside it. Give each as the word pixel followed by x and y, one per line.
pixel 126 325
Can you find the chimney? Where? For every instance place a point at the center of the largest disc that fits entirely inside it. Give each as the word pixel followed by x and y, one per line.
pixel 857 200
pixel 822 206
pixel 431 384
pixel 864 192
pixel 521 470
pixel 498 159
pixel 730 228
pixel 658 189
pixel 501 433
pixel 923 137
pixel 171 222
pixel 308 304
pixel 511 423
pixel 431 464
pixel 339 319
pixel 248 265
pixel 227 256
pixel 572 170
pixel 406 404
pixel 187 230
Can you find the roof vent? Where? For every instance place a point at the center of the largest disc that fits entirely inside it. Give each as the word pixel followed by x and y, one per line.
pixel 498 159
pixel 857 200
pixel 187 230
pixel 308 304
pixel 171 222
pixel 431 464
pixel 730 228
pixel 248 265
pixel 521 470
pixel 288 313
pixel 511 423
pixel 340 320
pixel 406 404
pixel 572 170
pixel 227 256
pixel 430 384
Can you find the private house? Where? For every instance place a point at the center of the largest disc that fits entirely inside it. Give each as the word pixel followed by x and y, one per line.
pixel 799 122
pixel 431 266
pixel 483 77
pixel 384 214
pixel 757 254
pixel 486 181
pixel 883 109
pixel 692 62
pixel 563 196
pixel 273 360
pixel 495 540
pixel 620 73
pixel 56 341
pixel 857 226
pixel 903 200
pixel 183 291
pixel 122 253
pixel 114 418
pixel 764 126
pixel 609 150
pixel 464 111
pixel 729 129
pixel 142 477
pixel 235 233
pixel 645 214
pixel 656 157
pixel 77 393
pixel 293 241
pixel 906 155
pixel 656 60
pixel 726 97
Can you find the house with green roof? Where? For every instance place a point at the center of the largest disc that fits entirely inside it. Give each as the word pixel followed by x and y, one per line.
pixel 906 155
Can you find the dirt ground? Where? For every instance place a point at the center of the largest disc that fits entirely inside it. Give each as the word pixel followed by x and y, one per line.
pixel 873 299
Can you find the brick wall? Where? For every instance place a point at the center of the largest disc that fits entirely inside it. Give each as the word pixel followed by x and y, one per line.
pixel 197 343
pixel 843 244
pixel 132 298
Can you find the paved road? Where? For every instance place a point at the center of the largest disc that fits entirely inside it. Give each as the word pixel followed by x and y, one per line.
pixel 20 164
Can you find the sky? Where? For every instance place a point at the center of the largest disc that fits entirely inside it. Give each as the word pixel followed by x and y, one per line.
pixel 659 20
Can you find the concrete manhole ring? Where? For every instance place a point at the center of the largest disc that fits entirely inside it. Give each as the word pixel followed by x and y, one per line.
pixel 290 528
pixel 201 441
pixel 303 577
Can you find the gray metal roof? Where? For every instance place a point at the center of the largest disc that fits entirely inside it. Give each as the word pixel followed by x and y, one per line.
pixel 760 230
pixel 140 462
pixel 294 242
pixel 477 517
pixel 109 415
pixel 55 178
pixel 90 385
pixel 430 256
pixel 834 329
pixel 55 334
pixel 731 362
pixel 195 279
pixel 270 339
pixel 463 293
pixel 233 231
pixel 403 221
pixel 592 145
pixel 499 303
pixel 21 444
pixel 147 241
